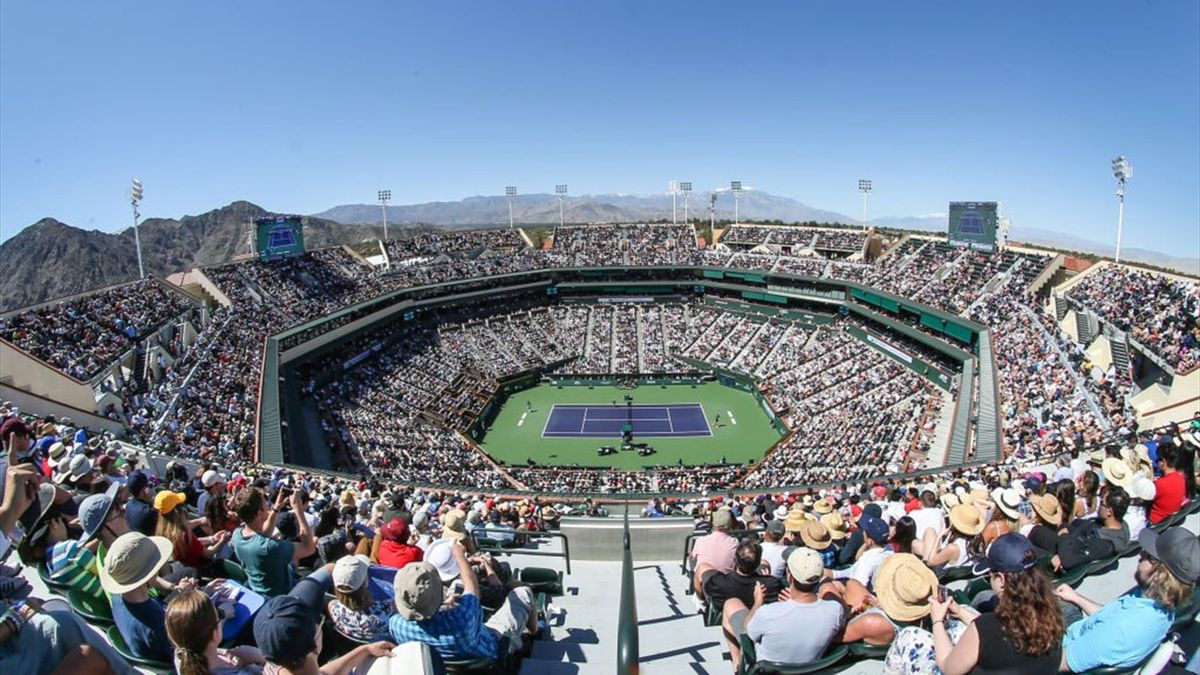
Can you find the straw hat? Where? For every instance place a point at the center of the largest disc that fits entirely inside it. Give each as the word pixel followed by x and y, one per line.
pixel 966 519
pixel 795 520
pixel 951 500
pixel 1117 472
pixel 1048 508
pixel 836 525
pixel 815 535
pixel 1008 501
pixel 904 585
pixel 822 507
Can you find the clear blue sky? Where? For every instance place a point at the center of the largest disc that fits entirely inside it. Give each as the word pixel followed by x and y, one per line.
pixel 300 106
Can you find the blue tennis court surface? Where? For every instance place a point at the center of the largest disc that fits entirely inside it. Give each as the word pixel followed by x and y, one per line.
pixel 663 420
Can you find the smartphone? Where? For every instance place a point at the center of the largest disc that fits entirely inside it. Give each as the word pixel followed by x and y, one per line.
pixel 942 593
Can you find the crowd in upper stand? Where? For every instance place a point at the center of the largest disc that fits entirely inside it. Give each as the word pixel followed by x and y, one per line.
pixel 83 335
pixel 1047 401
pixel 1161 312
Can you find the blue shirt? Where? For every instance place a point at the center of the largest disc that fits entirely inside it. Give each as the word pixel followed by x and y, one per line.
pixel 1121 634
pixel 143 625
pixel 456 633
pixel 141 517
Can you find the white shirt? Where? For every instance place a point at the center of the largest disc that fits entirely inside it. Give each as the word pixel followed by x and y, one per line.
pixel 927 518
pixel 772 554
pixel 864 569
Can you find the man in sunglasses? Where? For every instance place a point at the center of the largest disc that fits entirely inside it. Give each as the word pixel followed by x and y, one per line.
pixel 1126 630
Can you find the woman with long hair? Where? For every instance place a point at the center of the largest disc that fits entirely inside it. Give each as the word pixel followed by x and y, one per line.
pixel 173 523
pixel 903 535
pixel 1024 634
pixel 1087 504
pixel 194 626
pixel 1064 492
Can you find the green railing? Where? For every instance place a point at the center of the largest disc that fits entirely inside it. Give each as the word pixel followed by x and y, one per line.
pixel 627 621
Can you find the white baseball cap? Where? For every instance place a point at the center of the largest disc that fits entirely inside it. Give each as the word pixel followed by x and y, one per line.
pixel 805 565
pixel 350 573
pixel 211 478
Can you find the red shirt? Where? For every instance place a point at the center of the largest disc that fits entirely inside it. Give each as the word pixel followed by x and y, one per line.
pixel 912 505
pixel 1168 496
pixel 395 554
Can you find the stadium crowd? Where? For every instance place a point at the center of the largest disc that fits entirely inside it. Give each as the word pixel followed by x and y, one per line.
pixel 1161 312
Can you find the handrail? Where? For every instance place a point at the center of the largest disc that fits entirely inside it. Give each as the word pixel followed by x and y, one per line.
pixel 627 621
pixel 485 543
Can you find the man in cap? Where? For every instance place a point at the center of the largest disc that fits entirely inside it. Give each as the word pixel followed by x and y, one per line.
pixel 876 534
pixel 288 632
pixel 773 548
pixel 140 513
pixel 214 487
pixel 457 631
pixel 395 545
pixel 798 628
pixel 715 550
pixel 1126 630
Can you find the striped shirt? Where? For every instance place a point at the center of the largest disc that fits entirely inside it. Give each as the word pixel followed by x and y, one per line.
pixel 74 565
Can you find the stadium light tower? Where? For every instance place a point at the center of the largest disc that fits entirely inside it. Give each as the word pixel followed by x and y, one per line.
pixel 135 197
pixel 1122 171
pixel 685 187
pixel 735 187
pixel 509 193
pixel 864 186
pixel 712 210
pixel 384 197
pixel 673 186
pixel 561 191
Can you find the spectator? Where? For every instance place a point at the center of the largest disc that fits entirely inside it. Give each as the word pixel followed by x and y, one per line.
pixel 954 549
pixel 740 583
pixel 1090 540
pixel 190 550
pixel 214 487
pixel 1023 635
pixel 457 631
pixel 1141 496
pixel 1042 528
pixel 268 561
pixel 355 612
pixel 1126 630
pixel 798 628
pixel 194 625
pixel 929 515
pixel 131 565
pixel 773 549
pixel 288 633
pixel 396 549
pixel 874 549
pixel 140 513
pixel 1170 489
pixel 717 550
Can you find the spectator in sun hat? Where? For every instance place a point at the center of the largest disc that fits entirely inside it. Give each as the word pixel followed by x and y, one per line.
pixel 288 632
pixel 457 631
pixel 796 629
pixel 1124 631
pixel 1022 635
pixel 132 564
pixel 1141 496
pixel 76 473
pixel 58 455
pixel 355 611
pixel 816 536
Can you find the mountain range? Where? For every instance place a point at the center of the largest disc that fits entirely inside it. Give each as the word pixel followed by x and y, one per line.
pixel 51 259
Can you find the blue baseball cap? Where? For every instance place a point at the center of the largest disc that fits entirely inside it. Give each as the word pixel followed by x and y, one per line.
pixel 284 630
pixel 1011 552
pixel 138 481
pixel 874 529
pixel 94 510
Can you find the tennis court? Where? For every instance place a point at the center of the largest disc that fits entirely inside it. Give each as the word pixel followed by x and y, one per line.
pixel 663 420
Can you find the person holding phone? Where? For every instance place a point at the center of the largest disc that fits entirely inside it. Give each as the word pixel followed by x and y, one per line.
pixel 268 560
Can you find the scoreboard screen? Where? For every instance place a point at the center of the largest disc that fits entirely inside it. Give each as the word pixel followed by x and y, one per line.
pixel 279 236
pixel 973 223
